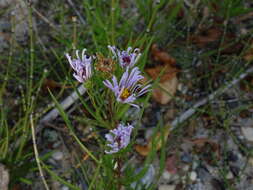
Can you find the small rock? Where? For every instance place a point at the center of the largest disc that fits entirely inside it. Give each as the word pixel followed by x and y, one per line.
pixel 232 157
pixel 4 178
pixel 235 170
pixel 203 174
pixel 58 155
pixel 186 157
pixel 50 135
pixel 64 188
pixel 166 187
pixel 217 184
pixel 186 168
pixel 195 165
pixel 149 132
pixel 248 133
pixel 193 176
pixel 230 175
pixel 166 175
pixel 147 179
pixel 251 161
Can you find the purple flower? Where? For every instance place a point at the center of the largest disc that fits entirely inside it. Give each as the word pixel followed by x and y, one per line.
pixel 118 138
pixel 129 87
pixel 126 58
pixel 81 66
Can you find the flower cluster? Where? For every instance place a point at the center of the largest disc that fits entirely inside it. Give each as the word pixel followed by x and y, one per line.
pixel 129 88
pixel 126 90
pixel 81 66
pixel 118 138
pixel 126 58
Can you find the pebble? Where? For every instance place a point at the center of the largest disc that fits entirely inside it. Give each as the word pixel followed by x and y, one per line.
pixel 186 168
pixel 149 132
pixel 229 175
pixel 186 157
pixel 203 174
pixel 166 175
pixel 51 135
pixel 193 176
pixel 167 187
pixel 248 133
pixel 232 157
pixel 147 179
pixel 64 188
pixel 251 161
pixel 58 155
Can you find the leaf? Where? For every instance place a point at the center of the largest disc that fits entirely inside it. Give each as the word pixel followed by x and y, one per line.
pixel 213 37
pixel 247 84
pixel 52 85
pixel 206 37
pixel 167 85
pixel 161 95
pixel 165 73
pixel 155 141
pixel 249 53
pixel 162 56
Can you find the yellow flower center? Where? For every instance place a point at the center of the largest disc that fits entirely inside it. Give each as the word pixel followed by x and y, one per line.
pixel 125 94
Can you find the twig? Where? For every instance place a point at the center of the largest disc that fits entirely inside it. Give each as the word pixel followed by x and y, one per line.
pixel 37 154
pixel 187 114
pixel 76 11
pixel 65 104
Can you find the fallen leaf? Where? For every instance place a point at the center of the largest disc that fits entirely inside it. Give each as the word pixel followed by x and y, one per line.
pixel 168 79
pixel 167 91
pixel 162 56
pixel 52 85
pixel 247 84
pixel 153 140
pixel 213 37
pixel 249 53
pixel 207 36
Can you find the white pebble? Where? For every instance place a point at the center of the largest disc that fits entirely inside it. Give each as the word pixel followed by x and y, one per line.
pixel 166 175
pixel 167 187
pixel 57 155
pixel 229 175
pixel 193 176
pixel 248 133
pixel 64 188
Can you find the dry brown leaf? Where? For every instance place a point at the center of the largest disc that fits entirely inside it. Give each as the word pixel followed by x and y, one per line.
pixel 169 88
pixel 213 36
pixel 247 84
pixel 249 54
pixel 162 56
pixel 52 85
pixel 153 140
pixel 168 80
pixel 167 84
pixel 207 36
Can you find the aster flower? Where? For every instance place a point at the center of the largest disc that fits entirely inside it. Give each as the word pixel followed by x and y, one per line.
pixel 81 66
pixel 126 58
pixel 129 87
pixel 118 138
